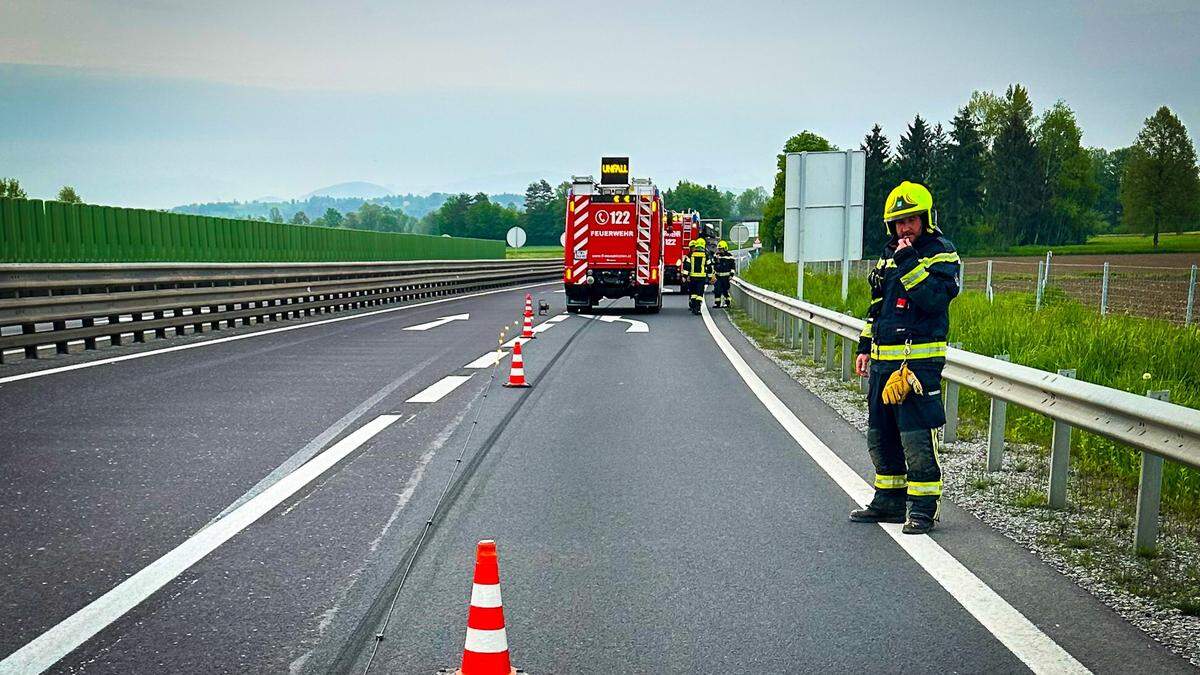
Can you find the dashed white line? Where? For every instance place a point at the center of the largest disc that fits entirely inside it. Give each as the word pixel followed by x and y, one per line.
pixel 487 360
pixel 1025 640
pixel 438 390
pixel 46 649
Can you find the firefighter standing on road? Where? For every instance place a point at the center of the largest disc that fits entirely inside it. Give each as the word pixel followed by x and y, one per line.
pixel 697 272
pixel 723 270
pixel 903 348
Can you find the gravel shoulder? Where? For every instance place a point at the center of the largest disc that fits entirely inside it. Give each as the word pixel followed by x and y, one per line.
pixel 1089 541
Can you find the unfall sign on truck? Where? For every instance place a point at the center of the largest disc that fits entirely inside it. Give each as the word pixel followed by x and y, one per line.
pixel 614 171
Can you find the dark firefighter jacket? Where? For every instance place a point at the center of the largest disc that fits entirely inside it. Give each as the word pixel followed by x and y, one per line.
pixel 724 264
pixel 911 290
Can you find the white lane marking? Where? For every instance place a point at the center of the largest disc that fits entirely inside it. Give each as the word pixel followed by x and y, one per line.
pixel 46 649
pixel 487 360
pixel 436 391
pixel 558 317
pixel 514 341
pixel 1009 626
pixel 271 331
pixel 440 322
pixel 544 326
pixel 560 291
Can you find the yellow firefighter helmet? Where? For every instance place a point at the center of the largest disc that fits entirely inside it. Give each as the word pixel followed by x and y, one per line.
pixel 905 200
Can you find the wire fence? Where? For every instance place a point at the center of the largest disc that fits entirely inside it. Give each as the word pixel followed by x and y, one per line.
pixel 1156 292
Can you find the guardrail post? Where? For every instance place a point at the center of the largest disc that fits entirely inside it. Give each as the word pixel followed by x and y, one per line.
pixel 1145 533
pixel 830 351
pixel 847 360
pixel 1187 315
pixel 1104 292
pixel 999 413
pixel 990 295
pixel 818 335
pixel 1060 457
pixel 950 404
pixel 805 338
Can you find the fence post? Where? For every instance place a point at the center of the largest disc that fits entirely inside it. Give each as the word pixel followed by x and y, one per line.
pixel 1145 533
pixel 1038 291
pixel 1104 292
pixel 950 402
pixel 1060 457
pixel 990 295
pixel 1187 315
pixel 999 412
pixel 1046 279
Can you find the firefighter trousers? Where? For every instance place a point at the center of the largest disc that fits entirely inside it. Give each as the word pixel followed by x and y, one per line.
pixel 904 440
pixel 696 288
pixel 721 291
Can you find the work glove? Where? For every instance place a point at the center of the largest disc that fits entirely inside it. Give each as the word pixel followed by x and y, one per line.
pixel 899 385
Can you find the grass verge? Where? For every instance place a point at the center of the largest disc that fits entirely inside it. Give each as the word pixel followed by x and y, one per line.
pixel 1188 242
pixel 534 252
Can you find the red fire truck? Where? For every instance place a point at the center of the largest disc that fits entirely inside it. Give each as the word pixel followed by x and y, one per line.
pixel 613 244
pixel 679 232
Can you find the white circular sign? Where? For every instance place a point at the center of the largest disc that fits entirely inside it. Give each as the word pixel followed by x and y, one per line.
pixel 515 237
pixel 601 217
pixel 738 234
pixel 562 239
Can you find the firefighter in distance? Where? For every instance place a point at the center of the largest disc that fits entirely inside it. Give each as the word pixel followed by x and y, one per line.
pixel 724 267
pixel 697 272
pixel 902 351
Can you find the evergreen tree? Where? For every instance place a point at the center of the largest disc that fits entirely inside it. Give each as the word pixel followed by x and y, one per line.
pixel 11 187
pixel 543 222
pixel 300 218
pixel 877 184
pixel 276 216
pixel 959 199
pixel 332 217
pixel 1108 166
pixel 914 153
pixel 1161 188
pixel 1014 184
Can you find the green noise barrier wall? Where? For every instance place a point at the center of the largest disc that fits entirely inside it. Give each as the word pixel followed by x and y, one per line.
pixel 33 231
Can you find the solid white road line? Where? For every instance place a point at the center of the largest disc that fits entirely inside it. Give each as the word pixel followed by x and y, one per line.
pixel 1009 626
pixel 436 391
pixel 46 650
pixel 246 336
pixel 487 360
pixel 440 322
pixel 558 317
pixel 514 341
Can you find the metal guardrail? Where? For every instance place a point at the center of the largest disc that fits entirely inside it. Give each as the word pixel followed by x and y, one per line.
pixel 63 308
pixel 1147 423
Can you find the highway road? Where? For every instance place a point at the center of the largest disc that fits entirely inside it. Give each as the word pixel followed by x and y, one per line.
pixel 664 499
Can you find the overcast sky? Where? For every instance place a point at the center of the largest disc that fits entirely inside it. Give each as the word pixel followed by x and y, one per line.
pixel 160 103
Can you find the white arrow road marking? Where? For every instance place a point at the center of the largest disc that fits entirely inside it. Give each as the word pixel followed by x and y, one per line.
pixel 487 360
pixel 46 649
pixel 436 391
pixel 635 326
pixel 440 322
pixel 1025 640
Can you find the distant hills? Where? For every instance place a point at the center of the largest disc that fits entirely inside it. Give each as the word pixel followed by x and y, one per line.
pixel 356 188
pixel 343 197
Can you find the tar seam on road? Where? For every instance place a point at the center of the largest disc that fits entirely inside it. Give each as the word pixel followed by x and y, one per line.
pixel 1016 632
pixel 245 336
pixel 354 646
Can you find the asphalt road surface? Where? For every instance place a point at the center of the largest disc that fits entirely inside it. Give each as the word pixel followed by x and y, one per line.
pixel 255 505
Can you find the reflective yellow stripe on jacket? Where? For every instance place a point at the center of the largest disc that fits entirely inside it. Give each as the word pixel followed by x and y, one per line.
pixel 923 350
pixel 921 271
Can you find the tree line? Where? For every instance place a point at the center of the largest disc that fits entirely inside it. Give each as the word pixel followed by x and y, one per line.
pixel 1002 176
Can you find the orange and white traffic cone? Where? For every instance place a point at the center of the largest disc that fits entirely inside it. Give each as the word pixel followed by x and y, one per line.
pixel 527 329
pixel 486 648
pixel 528 305
pixel 516 377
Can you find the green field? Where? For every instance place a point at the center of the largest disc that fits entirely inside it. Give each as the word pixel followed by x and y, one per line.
pixel 534 252
pixel 1127 353
pixel 1188 242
